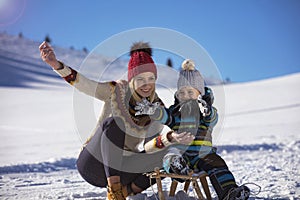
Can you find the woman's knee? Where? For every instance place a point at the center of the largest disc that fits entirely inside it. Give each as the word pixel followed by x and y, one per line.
pixel 91 169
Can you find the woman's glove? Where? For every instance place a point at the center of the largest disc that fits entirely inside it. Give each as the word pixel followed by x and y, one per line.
pixel 145 107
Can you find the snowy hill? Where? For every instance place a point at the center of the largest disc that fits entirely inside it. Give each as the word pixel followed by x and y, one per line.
pixel 21 65
pixel 258 138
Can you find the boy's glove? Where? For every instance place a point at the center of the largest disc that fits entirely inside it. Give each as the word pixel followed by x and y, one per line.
pixel 145 107
pixel 203 106
pixel 206 101
pixel 208 97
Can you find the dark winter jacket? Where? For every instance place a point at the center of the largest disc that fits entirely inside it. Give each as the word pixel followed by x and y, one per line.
pixel 194 122
pixel 201 127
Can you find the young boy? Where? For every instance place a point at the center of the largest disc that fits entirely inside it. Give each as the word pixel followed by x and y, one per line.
pixel 193 112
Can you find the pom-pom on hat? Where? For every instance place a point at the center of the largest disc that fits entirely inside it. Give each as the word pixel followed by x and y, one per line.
pixel 189 76
pixel 140 60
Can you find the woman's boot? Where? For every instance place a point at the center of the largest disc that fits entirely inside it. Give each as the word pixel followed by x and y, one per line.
pixel 116 192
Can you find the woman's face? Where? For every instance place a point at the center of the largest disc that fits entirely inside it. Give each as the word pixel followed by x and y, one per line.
pixel 144 83
pixel 187 93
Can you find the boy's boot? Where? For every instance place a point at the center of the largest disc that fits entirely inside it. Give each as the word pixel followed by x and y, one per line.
pixel 178 165
pixel 239 193
pixel 116 192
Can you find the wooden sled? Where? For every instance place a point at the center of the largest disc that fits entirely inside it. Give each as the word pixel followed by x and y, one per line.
pixel 191 178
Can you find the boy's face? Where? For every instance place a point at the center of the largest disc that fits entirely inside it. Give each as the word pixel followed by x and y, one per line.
pixel 187 93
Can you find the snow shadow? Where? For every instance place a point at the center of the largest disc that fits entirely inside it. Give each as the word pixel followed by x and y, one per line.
pixel 44 167
pixel 20 73
pixel 252 147
pixel 70 163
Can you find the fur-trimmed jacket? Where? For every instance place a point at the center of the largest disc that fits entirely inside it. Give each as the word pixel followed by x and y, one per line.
pixel 140 130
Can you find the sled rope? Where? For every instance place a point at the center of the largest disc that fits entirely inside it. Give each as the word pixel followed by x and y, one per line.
pixel 153 188
pixel 258 186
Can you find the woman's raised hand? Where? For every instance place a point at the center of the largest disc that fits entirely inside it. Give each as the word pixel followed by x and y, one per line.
pixel 48 56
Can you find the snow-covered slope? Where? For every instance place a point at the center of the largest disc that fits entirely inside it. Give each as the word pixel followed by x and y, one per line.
pixel 21 65
pixel 263 111
pixel 259 137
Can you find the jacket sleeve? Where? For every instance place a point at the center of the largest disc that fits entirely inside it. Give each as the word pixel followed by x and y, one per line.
pixel 162 115
pixel 158 143
pixel 212 119
pixel 99 90
pixel 170 118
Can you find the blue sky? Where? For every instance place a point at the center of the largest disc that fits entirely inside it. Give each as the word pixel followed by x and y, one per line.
pixel 248 40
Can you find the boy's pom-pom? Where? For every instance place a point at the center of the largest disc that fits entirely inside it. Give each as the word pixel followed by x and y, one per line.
pixel 141 46
pixel 188 64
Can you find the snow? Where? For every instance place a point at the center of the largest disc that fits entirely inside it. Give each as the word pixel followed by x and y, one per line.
pixel 258 138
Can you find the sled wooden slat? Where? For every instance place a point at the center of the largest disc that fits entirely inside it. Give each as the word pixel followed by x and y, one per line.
pixel 173 188
pixel 205 186
pixel 159 185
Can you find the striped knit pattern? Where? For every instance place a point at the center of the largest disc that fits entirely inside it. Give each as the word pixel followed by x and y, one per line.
pixel 222 180
pixel 204 125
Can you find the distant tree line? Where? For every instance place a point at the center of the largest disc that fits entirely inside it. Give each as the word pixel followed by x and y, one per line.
pixel 169 63
pixel 49 40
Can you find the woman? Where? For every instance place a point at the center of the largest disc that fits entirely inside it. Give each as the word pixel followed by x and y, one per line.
pixel 132 115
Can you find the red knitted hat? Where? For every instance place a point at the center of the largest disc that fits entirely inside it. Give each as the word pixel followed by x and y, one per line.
pixel 140 60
